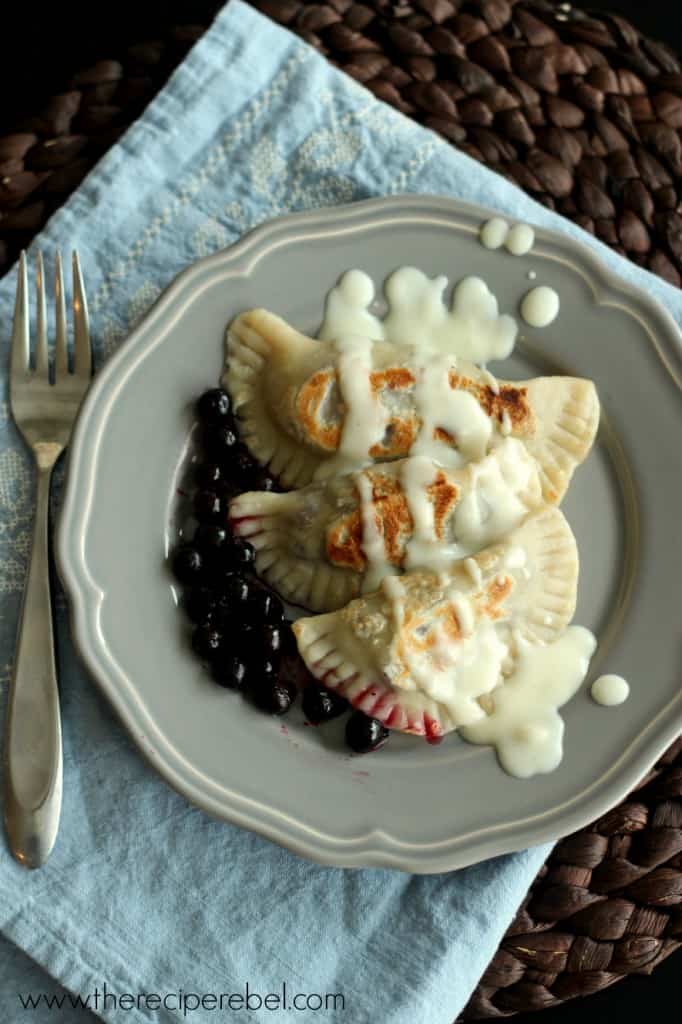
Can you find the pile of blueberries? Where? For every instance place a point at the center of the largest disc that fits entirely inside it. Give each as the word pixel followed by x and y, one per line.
pixel 240 630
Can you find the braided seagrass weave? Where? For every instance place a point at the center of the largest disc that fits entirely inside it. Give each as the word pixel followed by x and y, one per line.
pixel 584 114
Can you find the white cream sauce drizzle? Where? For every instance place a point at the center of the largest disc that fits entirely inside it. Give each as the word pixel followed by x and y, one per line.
pixel 416 315
pixel 492 507
pixel 373 545
pixel 365 420
pixel 454 673
pixel 395 592
pixel 525 726
pixel 474 571
pixel 456 411
pixel 540 306
pixel 491 380
pixel 489 509
pixel 610 690
pixel 424 550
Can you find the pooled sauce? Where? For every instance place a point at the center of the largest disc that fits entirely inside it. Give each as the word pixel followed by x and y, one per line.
pixel 609 691
pixel 540 306
pixel 525 726
pixel 471 328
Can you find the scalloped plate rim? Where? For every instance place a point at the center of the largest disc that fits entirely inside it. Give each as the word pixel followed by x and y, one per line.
pixel 375 848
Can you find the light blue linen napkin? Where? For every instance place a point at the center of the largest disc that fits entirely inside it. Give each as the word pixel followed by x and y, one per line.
pixel 144 893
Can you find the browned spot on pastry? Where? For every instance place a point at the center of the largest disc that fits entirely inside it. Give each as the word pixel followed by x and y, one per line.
pixel 399 438
pixel 309 401
pixel 495 594
pixel 415 637
pixel 511 399
pixel 450 622
pixel 439 434
pixel 392 515
pixel 401 432
pixel 443 494
pixel 344 542
pixel 393 520
pixel 394 378
pixel 421 635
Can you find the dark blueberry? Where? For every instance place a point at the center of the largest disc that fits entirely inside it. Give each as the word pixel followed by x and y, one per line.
pixel 321 704
pixel 207 642
pixel 234 592
pixel 210 537
pixel 364 734
pixel 243 638
pixel 265 607
pixel 209 507
pixel 277 699
pixel 200 605
pixel 214 407
pixel 230 672
pixel 221 442
pixel 264 672
pixel 209 476
pixel 271 639
pixel 188 564
pixel 239 555
pixel 289 645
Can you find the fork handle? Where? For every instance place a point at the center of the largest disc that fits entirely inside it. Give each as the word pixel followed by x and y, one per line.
pixel 33 742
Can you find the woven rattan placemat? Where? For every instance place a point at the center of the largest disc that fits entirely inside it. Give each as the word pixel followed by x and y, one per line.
pixel 583 113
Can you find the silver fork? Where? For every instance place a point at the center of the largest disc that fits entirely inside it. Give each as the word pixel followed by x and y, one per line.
pixel 44 413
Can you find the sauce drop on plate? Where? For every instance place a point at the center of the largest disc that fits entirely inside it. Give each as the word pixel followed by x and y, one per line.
pixel 540 306
pixel 610 690
pixel 494 233
pixel 520 240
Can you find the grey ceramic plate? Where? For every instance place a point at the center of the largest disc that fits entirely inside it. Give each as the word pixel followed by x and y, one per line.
pixel 410 806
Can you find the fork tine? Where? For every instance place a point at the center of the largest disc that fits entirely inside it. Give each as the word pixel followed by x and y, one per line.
pixel 41 318
pixel 82 354
pixel 61 357
pixel 20 337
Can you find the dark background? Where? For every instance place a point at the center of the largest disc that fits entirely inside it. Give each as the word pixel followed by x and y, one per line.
pixel 647 1000
pixel 661 19
pixel 65 36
